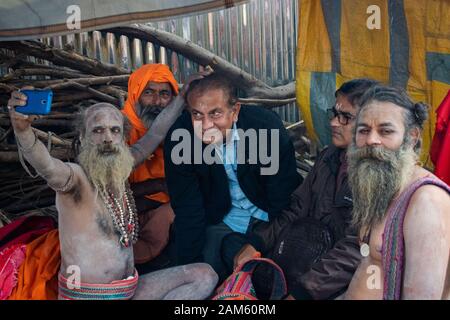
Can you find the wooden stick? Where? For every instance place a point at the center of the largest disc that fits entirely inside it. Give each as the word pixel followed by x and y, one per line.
pixel 44 202
pixel 65 96
pixel 294 125
pixel 38 191
pixel 6 134
pixel 14 185
pixel 8 88
pixel 62 57
pixel 19 61
pixel 59 115
pixel 266 102
pixel 68 105
pixel 59 153
pixel 53 138
pixel 61 84
pixel 252 85
pixel 96 93
pixel 4 218
pixel 41 122
pixel 42 72
pixel 115 91
pixel 19 193
pixel 71 134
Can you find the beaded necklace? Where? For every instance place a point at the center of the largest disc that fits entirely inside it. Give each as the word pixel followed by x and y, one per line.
pixel 124 215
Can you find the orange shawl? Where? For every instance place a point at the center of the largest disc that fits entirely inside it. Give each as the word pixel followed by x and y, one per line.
pixel 37 278
pixel 153 167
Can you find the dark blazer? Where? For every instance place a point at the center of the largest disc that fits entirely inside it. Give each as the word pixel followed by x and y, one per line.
pixel 199 193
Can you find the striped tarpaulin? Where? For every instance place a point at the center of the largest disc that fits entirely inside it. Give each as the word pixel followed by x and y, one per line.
pixel 39 18
pixel 339 40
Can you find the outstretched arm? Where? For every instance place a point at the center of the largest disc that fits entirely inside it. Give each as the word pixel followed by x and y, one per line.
pixel 57 174
pixel 145 146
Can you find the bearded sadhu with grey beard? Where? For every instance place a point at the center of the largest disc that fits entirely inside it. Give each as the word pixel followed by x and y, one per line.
pixel 401 209
pixel 151 88
pixel 96 213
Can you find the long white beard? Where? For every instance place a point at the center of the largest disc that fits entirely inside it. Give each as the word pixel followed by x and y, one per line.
pixel 376 175
pixel 108 168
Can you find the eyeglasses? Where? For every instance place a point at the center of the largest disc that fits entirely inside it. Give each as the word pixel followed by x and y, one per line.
pixel 343 117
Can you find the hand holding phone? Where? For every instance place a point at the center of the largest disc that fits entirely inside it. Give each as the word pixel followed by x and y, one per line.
pixel 38 102
pixel 21 122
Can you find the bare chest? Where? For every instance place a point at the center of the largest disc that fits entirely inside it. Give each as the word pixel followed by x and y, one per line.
pixel 367 282
pixel 91 242
pixel 371 241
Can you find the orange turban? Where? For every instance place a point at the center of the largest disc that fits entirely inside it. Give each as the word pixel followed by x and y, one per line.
pixel 151 168
pixel 138 82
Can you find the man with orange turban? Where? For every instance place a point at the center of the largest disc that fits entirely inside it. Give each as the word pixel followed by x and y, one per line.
pixel 150 89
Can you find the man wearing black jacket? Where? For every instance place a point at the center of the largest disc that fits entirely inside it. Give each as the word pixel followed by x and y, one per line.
pixel 325 197
pixel 228 169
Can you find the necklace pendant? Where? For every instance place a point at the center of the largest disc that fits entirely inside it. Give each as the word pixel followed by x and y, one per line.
pixel 126 225
pixel 124 242
pixel 364 250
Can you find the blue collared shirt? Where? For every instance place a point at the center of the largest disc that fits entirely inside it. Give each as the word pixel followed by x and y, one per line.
pixel 238 218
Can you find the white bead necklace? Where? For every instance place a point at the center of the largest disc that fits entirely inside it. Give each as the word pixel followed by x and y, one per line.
pixel 120 213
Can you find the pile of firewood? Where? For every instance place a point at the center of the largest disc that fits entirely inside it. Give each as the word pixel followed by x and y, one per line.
pixel 77 82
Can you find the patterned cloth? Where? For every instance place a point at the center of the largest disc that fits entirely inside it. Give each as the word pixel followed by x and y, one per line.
pixel 14 239
pixel 393 249
pixel 11 259
pixel 24 230
pixel 37 278
pixel 239 286
pixel 116 290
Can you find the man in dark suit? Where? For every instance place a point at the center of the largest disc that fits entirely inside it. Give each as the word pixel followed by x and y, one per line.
pixel 228 169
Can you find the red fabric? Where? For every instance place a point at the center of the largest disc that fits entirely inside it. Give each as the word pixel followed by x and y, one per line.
pixel 11 259
pixel 37 278
pixel 24 230
pixel 440 147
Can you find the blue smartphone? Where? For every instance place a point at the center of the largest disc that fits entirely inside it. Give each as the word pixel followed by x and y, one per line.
pixel 38 102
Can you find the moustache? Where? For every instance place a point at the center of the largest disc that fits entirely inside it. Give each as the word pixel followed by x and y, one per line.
pixel 107 150
pixel 155 110
pixel 376 153
pixel 336 131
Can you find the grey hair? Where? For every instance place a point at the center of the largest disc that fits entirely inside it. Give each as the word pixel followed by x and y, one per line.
pixel 415 114
pixel 79 123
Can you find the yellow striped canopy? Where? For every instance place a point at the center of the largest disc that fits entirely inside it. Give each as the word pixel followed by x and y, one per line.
pixel 338 41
